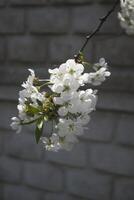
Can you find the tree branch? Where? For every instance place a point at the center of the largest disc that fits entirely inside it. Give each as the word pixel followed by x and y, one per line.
pixel 89 36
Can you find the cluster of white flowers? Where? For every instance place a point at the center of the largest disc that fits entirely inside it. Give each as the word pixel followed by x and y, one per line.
pixel 66 103
pixel 126 15
pixel 29 99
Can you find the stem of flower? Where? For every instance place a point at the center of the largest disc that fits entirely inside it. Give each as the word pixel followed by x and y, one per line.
pixel 47 83
pixel 97 29
pixel 34 120
pixel 43 80
pixel 30 122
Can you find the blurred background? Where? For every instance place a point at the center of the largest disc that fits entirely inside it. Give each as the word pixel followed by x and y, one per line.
pixel 38 34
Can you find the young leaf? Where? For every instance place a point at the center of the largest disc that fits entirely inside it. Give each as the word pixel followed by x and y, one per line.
pixel 80 57
pixel 33 109
pixel 27 123
pixel 39 129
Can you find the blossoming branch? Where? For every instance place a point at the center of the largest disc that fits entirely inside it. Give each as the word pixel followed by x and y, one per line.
pixel 62 100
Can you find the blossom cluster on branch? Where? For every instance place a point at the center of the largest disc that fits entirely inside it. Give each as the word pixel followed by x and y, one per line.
pixel 65 102
pixel 126 16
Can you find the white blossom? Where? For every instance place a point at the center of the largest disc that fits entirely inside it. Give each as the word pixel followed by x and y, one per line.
pixel 29 83
pixel 30 91
pixel 69 127
pixel 87 101
pixel 96 78
pixel 101 64
pixel 126 16
pixel 16 124
pixel 62 111
pixel 73 68
pixel 29 94
pixel 53 143
pixel 68 83
pixel 66 77
pixel 84 119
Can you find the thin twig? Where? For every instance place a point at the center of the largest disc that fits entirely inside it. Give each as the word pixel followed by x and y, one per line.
pixel 89 36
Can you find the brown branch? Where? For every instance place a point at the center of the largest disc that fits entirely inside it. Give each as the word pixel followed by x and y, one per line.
pixel 89 36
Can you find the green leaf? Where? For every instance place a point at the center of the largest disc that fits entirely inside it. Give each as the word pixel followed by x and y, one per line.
pixel 32 109
pixel 27 123
pixel 39 129
pixel 81 57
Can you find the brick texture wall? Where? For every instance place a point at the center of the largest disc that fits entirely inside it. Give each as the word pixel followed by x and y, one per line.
pixel 37 34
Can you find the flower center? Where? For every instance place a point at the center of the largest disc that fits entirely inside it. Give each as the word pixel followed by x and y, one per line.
pixel 71 71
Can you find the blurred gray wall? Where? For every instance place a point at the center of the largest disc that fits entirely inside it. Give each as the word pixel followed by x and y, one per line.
pixel 37 34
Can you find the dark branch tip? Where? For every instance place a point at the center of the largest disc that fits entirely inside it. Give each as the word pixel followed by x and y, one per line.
pixel 88 37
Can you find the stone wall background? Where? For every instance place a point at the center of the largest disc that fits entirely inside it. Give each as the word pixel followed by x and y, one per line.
pixel 37 34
